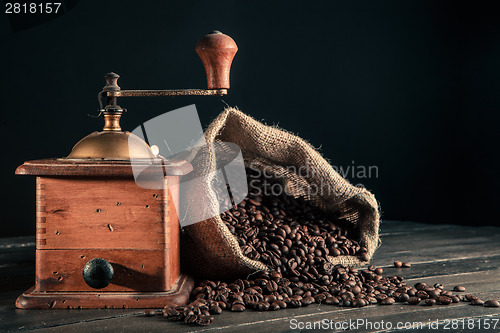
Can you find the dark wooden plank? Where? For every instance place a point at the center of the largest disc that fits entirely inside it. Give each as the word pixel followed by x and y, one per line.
pixel 279 321
pixel 447 254
pixel 441 268
pixel 13 242
pixel 452 244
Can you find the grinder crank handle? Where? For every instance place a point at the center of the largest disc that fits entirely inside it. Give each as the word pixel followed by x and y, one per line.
pixel 217 50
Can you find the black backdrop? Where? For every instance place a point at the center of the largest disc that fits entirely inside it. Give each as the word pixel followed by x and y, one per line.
pixel 407 86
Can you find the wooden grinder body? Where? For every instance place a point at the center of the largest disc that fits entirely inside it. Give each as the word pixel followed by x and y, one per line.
pixel 96 210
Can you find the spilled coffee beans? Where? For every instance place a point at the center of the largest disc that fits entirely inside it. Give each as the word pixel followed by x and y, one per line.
pixel 294 239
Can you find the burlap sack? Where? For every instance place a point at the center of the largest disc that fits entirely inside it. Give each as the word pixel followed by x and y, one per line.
pixel 210 251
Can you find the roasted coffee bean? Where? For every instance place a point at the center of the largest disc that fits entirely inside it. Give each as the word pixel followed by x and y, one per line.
pixel 469 298
pixel 173 314
pixel 204 320
pixel 215 309
pixel 190 318
pixel 403 298
pixel 281 304
pixel 238 307
pixel 421 294
pixel 492 303
pixel 332 300
pixel 430 302
pixel 295 303
pixel 309 300
pixel 476 301
pixel 406 265
pixel 335 252
pixel 455 299
pixel 388 301
pixel 263 306
pixel 413 301
pixel 420 286
pixel 445 300
pixel 274 306
pixel 364 257
pixel 222 305
pixel 398 264
pixel 459 288
pixel 358 303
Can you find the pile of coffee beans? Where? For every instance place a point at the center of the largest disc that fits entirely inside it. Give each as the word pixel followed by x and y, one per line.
pixel 289 235
pixel 294 239
pixel 349 288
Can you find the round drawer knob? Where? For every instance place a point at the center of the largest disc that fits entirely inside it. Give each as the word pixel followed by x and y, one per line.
pixel 98 273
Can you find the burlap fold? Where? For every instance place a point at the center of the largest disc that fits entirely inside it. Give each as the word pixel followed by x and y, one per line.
pixel 210 251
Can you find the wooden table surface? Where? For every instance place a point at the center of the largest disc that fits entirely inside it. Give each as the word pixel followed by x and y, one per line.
pixel 448 254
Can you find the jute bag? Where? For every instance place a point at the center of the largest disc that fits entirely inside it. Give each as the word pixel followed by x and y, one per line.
pixel 210 251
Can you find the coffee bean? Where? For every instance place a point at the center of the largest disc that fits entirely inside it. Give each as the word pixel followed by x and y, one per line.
pixel 413 301
pixel 215 309
pixel 238 307
pixel 420 286
pixel 406 265
pixel 388 301
pixel 364 257
pixel 421 294
pixel 263 306
pixel 358 303
pixel 335 252
pixel 204 320
pixel 173 314
pixel 398 264
pixel 469 298
pixel 445 300
pixel 476 301
pixel 492 303
pixel 281 304
pixel 356 290
pixel 307 301
pixel 274 306
pixel 459 288
pixel 430 301
pixel 403 298
pixel 332 300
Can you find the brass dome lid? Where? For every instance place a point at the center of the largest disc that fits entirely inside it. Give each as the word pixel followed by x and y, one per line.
pixel 112 145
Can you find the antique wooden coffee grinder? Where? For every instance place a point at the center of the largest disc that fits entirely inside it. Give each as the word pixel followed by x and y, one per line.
pixel 102 241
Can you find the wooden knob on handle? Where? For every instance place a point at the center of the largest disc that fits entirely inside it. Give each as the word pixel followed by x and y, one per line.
pixel 217 51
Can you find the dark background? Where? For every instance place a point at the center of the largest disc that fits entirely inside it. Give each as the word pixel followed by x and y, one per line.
pixel 408 86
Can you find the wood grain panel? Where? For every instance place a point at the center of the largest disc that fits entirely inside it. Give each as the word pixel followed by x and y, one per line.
pixel 82 213
pixel 134 270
